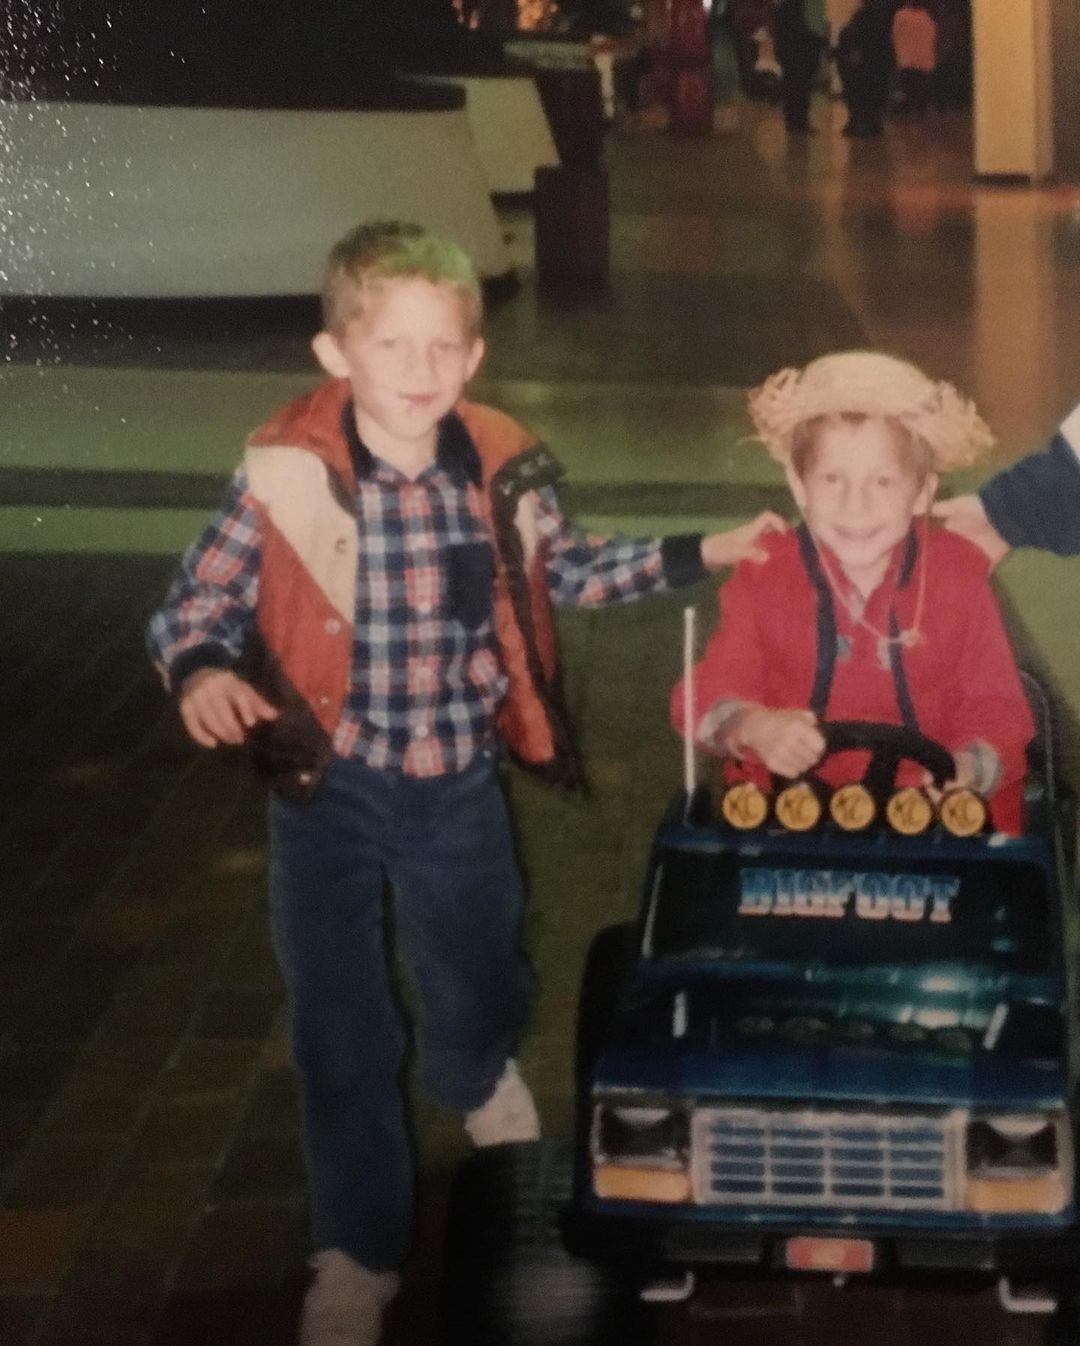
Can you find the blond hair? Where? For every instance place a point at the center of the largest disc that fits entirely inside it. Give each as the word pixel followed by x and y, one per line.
pixel 382 250
pixel 913 454
pixel 942 427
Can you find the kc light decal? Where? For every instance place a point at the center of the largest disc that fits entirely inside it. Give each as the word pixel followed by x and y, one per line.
pixel 831 893
pixel 802 806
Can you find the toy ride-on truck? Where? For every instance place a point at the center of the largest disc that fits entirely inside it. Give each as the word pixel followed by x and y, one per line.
pixel 825 1046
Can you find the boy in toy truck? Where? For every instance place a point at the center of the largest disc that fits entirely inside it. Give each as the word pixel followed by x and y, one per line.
pixel 864 611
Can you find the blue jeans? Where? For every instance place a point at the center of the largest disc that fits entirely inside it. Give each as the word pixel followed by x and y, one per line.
pixel 444 844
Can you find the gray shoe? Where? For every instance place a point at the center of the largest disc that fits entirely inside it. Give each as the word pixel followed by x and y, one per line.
pixel 344 1304
pixel 508 1115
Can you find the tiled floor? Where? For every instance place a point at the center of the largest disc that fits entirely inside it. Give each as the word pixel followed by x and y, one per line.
pixel 151 1191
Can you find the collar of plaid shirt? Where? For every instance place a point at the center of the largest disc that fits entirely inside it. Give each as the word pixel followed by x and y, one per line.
pixel 455 452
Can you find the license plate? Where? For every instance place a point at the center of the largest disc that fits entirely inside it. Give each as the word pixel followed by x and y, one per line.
pixel 831 1255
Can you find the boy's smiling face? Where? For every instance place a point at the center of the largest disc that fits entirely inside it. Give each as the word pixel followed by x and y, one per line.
pixel 859 493
pixel 407 355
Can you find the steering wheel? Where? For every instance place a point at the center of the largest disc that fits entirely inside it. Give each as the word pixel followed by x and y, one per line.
pixel 888 745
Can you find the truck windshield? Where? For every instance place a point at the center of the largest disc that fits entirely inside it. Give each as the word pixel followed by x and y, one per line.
pixel 989 911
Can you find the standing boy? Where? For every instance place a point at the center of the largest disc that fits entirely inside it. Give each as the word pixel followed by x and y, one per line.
pixel 370 613
pixel 865 612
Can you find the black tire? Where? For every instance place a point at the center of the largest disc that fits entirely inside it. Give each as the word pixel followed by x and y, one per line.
pixel 610 958
pixel 508 1279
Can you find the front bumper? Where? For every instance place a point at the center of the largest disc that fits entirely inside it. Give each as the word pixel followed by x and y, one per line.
pixel 700 1245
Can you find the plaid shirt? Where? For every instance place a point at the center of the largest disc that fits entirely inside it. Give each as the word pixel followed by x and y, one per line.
pixel 426 678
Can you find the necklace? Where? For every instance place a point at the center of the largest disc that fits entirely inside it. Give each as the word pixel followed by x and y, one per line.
pixel 905 639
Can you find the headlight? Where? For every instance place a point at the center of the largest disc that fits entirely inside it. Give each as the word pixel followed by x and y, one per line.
pixel 641 1152
pixel 1019 1163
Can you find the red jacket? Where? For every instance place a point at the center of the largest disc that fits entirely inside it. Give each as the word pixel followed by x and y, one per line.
pixel 960 677
pixel 300 471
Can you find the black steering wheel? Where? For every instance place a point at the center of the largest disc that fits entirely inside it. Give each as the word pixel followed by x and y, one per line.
pixel 888 745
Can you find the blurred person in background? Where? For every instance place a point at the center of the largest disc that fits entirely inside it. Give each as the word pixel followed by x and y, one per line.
pixel 952 79
pixel 864 62
pixel 798 50
pixel 745 19
pixel 725 68
pixel 914 41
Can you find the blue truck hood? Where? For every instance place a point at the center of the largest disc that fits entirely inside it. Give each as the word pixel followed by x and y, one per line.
pixel 743 1043
pixel 837 1074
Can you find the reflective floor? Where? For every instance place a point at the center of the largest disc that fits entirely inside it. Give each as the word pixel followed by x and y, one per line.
pixel 151 1190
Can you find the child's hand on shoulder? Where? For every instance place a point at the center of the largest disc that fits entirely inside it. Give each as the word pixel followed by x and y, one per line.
pixel 965 515
pixel 740 544
pixel 788 742
pixel 219 707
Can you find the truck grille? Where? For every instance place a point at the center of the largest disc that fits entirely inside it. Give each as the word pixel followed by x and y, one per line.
pixel 752 1156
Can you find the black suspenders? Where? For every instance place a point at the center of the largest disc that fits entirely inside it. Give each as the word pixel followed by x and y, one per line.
pixel 825 659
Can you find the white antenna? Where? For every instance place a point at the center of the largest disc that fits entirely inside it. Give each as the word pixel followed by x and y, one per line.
pixel 689 719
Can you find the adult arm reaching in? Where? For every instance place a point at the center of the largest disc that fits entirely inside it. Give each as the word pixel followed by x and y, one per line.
pixel 1034 503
